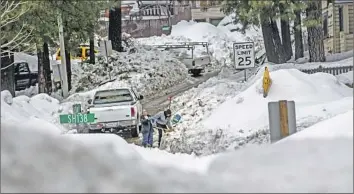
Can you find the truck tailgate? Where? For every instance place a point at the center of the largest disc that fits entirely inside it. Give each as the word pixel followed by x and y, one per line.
pixel 111 114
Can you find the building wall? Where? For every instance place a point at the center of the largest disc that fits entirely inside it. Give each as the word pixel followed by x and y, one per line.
pixel 339 37
pixel 153 27
pixel 206 11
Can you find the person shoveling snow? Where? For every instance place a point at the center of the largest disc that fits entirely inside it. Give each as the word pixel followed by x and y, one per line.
pixel 147 129
pixel 163 122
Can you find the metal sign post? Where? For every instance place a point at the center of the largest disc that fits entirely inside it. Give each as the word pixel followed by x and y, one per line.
pixel 282 119
pixel 106 48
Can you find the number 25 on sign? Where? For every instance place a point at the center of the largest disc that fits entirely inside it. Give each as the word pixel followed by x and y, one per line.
pixel 244 55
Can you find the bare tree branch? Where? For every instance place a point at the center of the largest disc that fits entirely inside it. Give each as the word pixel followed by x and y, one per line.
pixel 12 38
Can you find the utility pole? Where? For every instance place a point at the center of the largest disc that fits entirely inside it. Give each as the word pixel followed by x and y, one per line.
pixel 64 74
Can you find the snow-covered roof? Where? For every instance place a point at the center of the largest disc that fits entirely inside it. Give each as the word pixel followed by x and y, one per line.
pixel 342 1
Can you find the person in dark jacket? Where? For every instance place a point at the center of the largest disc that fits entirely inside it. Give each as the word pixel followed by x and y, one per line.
pixel 163 121
pixel 146 129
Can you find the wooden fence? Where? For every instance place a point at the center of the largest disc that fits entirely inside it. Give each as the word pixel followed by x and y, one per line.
pixel 330 70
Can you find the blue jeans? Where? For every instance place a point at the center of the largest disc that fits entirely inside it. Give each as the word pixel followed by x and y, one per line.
pixel 148 138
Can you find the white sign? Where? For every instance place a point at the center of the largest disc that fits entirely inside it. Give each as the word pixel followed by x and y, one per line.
pixel 244 55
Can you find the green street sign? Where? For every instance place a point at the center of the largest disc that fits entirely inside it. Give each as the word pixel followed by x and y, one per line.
pixel 76 108
pixel 165 28
pixel 77 118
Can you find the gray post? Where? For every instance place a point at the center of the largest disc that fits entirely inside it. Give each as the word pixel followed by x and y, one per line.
pixel 282 119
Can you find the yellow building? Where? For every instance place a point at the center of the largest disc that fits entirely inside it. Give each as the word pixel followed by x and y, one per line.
pixel 338 25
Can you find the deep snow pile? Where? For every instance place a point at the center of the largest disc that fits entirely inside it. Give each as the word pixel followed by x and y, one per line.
pixel 51 163
pixel 220 38
pixel 40 110
pixel 346 78
pixel 147 70
pixel 338 126
pixel 211 126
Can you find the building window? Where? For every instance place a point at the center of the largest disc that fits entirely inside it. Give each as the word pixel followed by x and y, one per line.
pixel 341 25
pixel 325 25
pixel 215 22
pixel 194 4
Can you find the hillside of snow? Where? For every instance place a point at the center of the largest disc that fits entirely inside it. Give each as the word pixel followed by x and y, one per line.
pixel 45 162
pixel 225 113
pixel 220 39
pixel 148 71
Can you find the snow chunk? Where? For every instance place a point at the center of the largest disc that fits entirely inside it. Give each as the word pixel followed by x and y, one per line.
pixel 6 97
pixel 346 78
pixel 338 126
pixel 41 109
pixel 117 143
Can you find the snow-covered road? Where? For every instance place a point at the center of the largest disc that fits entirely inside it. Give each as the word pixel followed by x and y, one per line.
pixel 160 101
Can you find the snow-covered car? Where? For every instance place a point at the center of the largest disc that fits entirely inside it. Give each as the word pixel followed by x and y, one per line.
pixel 116 111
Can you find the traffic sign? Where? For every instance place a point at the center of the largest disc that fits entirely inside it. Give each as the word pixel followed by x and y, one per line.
pixel 244 55
pixel 165 28
pixel 77 118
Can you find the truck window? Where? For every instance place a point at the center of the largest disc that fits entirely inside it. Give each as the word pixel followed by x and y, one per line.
pixel 112 96
pixel 22 68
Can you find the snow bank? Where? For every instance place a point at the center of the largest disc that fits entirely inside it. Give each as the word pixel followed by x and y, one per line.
pixel 238 115
pixel 220 38
pixel 31 91
pixel 183 162
pixel 148 71
pixel 338 126
pixel 313 65
pixel 76 164
pixel 118 144
pixel 304 89
pixel 329 57
pixel 41 110
pixel 346 78
pixel 303 166
pixel 63 165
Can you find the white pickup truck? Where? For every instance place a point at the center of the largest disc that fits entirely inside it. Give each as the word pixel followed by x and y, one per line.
pixel 116 111
pixel 196 65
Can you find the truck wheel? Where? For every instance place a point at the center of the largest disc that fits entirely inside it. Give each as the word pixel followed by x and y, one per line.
pixel 135 131
pixel 196 72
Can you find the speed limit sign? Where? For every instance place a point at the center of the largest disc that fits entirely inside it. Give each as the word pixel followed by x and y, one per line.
pixel 244 55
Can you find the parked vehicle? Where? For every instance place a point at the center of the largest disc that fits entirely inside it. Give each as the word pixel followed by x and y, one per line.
pixel 197 65
pixel 82 53
pixel 116 111
pixel 24 78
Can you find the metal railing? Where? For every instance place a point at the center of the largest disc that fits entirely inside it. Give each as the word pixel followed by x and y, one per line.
pixel 330 70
